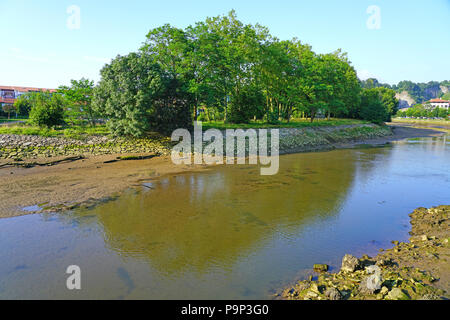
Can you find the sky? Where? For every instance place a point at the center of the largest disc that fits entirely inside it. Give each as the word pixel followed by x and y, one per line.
pixel 47 43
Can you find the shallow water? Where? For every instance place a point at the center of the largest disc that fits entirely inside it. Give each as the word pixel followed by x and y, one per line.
pixel 228 233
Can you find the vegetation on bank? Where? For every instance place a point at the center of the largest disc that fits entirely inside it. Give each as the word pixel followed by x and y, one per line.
pixel 422 111
pixel 219 70
pixel 66 143
pixel 420 92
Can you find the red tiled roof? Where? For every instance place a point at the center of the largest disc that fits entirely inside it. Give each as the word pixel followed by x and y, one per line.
pixel 438 101
pixel 25 89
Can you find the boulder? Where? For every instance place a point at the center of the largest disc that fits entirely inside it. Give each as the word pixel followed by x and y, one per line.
pixel 350 263
pixel 397 294
pixel 333 294
pixel 371 284
pixel 320 268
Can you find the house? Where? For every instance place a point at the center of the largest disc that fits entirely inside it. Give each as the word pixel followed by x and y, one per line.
pixel 438 103
pixel 9 94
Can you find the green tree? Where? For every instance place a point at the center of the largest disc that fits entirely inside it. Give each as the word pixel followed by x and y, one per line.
pixel 8 108
pixel 48 110
pixel 24 103
pixel 372 107
pixel 79 96
pixel 137 97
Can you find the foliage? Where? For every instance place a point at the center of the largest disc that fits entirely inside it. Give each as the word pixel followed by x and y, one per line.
pixel 79 97
pixel 420 111
pixel 47 110
pixel 24 103
pixel 8 108
pixel 372 107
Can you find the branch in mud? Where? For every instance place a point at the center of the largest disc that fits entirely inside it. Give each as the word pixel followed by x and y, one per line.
pixel 128 158
pixel 40 164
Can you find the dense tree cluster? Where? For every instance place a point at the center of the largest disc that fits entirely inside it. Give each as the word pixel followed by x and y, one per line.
pixel 420 92
pixel 222 69
pixel 218 69
pixel 420 111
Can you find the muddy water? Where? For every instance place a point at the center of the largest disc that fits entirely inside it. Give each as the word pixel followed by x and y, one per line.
pixel 229 233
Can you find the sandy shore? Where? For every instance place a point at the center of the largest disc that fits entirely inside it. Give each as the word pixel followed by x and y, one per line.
pixel 89 180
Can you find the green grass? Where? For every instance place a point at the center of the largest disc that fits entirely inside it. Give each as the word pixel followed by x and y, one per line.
pixel 82 132
pixel 73 132
pixel 6 120
pixel 422 121
pixel 295 123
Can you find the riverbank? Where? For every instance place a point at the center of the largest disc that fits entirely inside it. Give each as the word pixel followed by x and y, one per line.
pixel 65 177
pixel 414 270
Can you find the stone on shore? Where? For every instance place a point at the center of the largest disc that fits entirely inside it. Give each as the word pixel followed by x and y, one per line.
pixel 350 263
pixel 333 294
pixel 397 294
pixel 320 268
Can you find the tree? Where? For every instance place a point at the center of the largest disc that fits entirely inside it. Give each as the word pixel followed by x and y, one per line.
pixel 8 108
pixel 372 107
pixel 48 110
pixel 79 95
pixel 24 103
pixel 137 96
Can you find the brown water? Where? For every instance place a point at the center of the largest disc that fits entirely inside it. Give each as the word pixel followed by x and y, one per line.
pixel 229 233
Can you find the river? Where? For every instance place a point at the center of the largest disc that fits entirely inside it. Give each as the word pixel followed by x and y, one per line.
pixel 228 233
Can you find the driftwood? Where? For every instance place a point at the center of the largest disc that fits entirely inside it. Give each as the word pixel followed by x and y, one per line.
pixel 129 158
pixel 40 164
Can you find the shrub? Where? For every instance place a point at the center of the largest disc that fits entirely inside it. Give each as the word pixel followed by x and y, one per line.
pixel 47 110
pixel 372 107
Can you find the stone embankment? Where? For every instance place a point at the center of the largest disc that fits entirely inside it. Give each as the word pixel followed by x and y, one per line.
pixel 20 147
pixel 414 270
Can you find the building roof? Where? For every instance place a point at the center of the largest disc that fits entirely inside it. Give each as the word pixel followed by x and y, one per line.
pixel 438 101
pixel 25 89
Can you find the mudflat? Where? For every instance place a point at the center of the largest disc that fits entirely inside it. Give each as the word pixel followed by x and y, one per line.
pixel 95 178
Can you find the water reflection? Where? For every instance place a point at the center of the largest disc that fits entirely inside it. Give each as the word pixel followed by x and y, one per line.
pixel 199 221
pixel 228 233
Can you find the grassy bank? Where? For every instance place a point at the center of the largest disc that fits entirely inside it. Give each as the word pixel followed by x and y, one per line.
pixel 297 140
pixel 25 142
pixel 72 132
pixel 423 121
pixel 294 123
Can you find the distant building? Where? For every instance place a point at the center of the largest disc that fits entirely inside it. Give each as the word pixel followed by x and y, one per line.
pixel 438 103
pixel 9 94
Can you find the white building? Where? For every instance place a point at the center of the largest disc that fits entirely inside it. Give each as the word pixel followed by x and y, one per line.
pixel 439 103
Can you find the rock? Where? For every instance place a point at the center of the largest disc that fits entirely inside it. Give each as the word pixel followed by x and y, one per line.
pixel 320 268
pixel 371 284
pixel 315 288
pixel 333 294
pixel 384 291
pixel 311 294
pixel 350 263
pixel 424 238
pixel 397 294
pixel 384 262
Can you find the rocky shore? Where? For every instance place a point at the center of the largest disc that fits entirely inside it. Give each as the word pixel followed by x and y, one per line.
pixel 20 147
pixel 414 270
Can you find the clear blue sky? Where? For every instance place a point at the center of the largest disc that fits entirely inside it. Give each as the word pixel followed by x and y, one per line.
pixel 38 49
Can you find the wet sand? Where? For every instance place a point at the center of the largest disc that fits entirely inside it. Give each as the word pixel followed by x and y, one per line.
pixel 90 180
